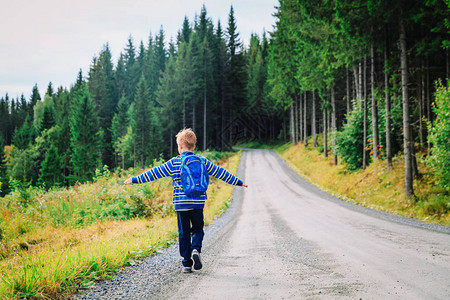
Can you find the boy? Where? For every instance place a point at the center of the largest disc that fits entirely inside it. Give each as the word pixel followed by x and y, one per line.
pixel 189 209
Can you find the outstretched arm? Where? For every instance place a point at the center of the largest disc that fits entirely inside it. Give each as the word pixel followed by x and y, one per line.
pixel 154 173
pixel 222 174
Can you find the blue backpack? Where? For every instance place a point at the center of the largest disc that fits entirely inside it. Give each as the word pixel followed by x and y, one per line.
pixel 194 176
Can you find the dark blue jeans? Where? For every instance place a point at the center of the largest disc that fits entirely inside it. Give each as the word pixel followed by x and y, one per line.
pixel 190 225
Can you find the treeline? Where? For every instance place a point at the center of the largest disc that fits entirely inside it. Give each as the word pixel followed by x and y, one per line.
pixel 126 114
pixel 363 73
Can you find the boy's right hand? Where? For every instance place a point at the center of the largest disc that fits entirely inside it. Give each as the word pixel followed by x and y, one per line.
pixel 244 185
pixel 129 180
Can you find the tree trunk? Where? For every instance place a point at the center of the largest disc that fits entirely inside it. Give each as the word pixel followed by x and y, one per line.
pixel 374 105
pixel 325 133
pixel 420 98
pixel 296 112
pixel 387 108
pixel 204 118
pixel 313 121
pixel 365 78
pixel 305 111
pixel 360 83
pixel 292 124
pixel 407 138
pixel 300 113
pixel 134 155
pixel 355 81
pixel 348 91
pixel 364 103
pixel 333 123
pixel 447 59
pixel 428 97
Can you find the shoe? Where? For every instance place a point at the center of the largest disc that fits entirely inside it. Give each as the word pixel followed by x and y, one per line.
pixel 187 270
pixel 197 260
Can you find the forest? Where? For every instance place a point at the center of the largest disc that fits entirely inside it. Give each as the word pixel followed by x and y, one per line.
pixel 367 77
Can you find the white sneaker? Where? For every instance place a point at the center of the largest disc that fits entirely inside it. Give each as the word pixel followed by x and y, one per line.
pixel 187 270
pixel 197 260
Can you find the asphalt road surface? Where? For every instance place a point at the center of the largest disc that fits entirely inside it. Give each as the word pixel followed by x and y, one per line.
pixel 285 239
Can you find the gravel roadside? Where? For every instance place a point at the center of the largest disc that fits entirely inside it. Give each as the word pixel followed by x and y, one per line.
pixel 312 272
pixel 159 273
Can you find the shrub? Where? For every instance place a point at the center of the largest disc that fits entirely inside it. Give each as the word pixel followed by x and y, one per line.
pixel 349 141
pixel 439 136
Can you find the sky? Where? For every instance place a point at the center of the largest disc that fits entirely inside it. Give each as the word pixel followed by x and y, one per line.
pixel 44 41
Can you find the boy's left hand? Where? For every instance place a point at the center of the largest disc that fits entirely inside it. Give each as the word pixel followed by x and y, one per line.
pixel 245 185
pixel 129 180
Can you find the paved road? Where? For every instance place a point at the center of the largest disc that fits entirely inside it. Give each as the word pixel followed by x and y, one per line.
pixel 289 241
pixel 284 239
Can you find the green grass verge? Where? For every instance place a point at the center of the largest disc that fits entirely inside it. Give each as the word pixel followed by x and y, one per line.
pixel 106 227
pixel 376 187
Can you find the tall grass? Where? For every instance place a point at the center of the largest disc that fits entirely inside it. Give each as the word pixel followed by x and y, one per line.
pixel 66 239
pixel 375 187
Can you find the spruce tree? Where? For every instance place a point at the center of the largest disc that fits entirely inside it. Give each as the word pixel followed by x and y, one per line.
pixel 48 118
pixel 4 119
pixel 50 172
pixel 24 135
pixel 35 97
pixel 131 75
pixel 85 136
pixel 236 74
pixel 49 89
pixel 168 96
pixel 102 88
pixel 3 177
pixel 119 128
pixel 120 75
pixel 220 74
pixel 141 118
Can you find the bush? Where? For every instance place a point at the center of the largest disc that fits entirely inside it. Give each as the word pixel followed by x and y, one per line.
pixel 349 141
pixel 439 136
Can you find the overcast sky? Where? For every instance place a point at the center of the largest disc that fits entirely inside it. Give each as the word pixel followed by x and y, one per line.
pixel 51 40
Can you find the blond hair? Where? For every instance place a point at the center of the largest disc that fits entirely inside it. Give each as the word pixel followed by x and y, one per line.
pixel 186 137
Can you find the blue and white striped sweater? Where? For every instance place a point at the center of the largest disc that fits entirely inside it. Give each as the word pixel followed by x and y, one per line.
pixel 172 168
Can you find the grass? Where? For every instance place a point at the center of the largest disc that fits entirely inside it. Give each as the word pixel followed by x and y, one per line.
pixel 52 258
pixel 376 187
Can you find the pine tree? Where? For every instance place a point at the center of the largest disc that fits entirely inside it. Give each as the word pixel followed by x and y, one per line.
pixel 168 96
pixel 4 119
pixel 50 172
pixel 194 78
pixel 49 89
pixel 85 136
pixel 3 178
pixel 48 118
pixel 120 76
pixel 181 77
pixel 24 135
pixel 185 33
pixel 35 97
pixel 131 75
pixel 236 74
pixel 141 118
pixel 119 128
pixel 103 91
pixel 63 104
pixel 220 53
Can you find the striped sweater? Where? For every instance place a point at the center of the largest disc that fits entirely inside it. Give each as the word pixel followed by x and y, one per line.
pixel 172 168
